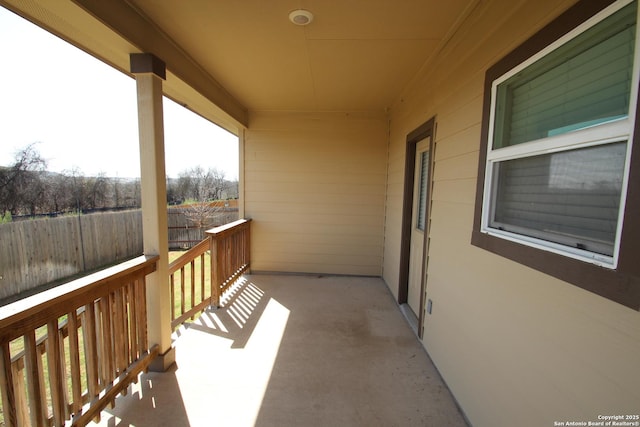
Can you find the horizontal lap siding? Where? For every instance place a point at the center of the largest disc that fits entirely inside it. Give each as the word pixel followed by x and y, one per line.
pixel 513 344
pixel 314 186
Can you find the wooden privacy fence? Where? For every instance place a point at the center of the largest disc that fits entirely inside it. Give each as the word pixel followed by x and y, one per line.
pixel 184 233
pixel 198 279
pixel 38 252
pixel 66 353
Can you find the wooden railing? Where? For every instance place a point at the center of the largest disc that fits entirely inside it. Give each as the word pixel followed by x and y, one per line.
pixel 66 353
pixel 230 255
pixel 189 278
pixel 198 281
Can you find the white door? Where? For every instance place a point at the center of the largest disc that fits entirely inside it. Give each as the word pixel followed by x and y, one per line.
pixel 418 226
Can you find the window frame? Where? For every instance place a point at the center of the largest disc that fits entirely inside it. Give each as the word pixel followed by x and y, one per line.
pixel 619 280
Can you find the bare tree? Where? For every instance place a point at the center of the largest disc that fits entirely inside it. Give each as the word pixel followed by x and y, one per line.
pixel 116 192
pixel 198 184
pixel 231 190
pixel 202 214
pixel 21 184
pixel 133 196
pixel 217 183
pixel 27 188
pixel 202 187
pixel 183 186
pixel 97 189
pixel 77 188
pixel 53 200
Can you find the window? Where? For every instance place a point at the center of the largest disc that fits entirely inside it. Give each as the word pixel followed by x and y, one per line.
pixel 558 130
pixel 422 196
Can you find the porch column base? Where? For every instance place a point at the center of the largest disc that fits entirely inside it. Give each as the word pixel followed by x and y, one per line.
pixel 163 361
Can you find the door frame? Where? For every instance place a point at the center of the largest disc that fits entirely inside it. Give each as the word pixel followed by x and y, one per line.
pixel 425 130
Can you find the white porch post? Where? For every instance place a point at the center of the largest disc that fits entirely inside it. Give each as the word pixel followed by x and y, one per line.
pixel 149 72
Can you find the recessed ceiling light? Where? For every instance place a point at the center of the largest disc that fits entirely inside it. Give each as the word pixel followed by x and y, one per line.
pixel 301 17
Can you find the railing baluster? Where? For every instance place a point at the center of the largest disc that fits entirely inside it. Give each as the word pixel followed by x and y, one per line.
pixel 220 260
pixel 235 250
pixel 111 328
pixel 6 383
pixel 226 258
pixel 133 329
pixel 125 330
pixel 20 392
pixel 63 370
pixel 230 262
pixel 118 341
pixel 126 327
pixel 224 265
pixel 173 296
pixel 74 358
pixel 106 337
pixel 126 346
pixel 90 335
pixel 42 378
pixel 54 364
pixel 34 372
pixel 247 250
pixel 182 284
pixel 216 272
pixel 141 295
pixel 202 295
pixel 99 341
pixel 193 286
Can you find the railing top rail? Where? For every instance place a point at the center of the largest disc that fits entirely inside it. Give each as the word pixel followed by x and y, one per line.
pixel 192 253
pixel 37 309
pixel 228 228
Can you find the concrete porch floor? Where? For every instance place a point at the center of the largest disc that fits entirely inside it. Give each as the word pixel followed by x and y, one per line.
pixel 295 351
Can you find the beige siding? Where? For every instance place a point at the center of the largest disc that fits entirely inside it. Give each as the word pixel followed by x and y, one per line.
pixel 516 347
pixel 315 187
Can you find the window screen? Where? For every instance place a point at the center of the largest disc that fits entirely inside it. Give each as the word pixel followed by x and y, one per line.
pixel 571 197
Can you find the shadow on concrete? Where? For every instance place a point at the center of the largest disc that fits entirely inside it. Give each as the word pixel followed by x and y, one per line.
pixel 242 307
pixel 154 401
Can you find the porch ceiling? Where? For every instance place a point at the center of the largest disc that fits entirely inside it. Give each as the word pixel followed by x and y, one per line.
pixel 355 55
pixel 246 56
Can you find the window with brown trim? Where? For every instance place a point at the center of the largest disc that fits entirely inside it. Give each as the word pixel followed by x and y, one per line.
pixel 558 186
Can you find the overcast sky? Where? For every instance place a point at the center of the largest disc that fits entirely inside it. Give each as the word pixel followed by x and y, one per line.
pixel 83 113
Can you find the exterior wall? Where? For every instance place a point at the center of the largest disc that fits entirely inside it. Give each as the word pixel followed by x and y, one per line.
pixel 514 345
pixel 314 186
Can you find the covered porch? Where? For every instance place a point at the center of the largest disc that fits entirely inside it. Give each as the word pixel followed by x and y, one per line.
pixel 246 349
pixel 294 350
pixel 329 120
